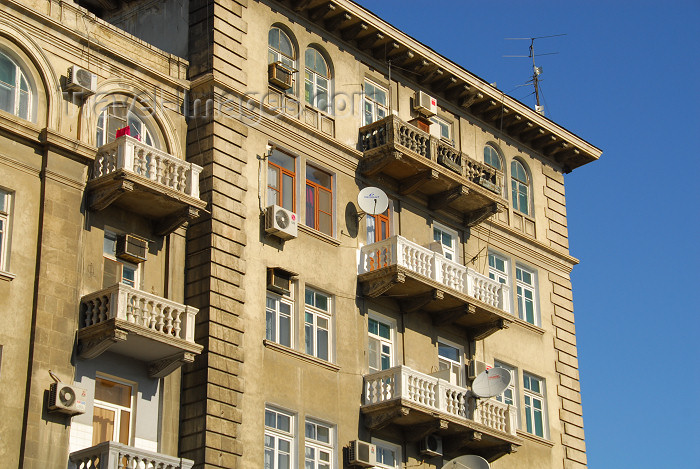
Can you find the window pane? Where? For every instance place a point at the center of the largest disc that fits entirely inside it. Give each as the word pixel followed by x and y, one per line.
pixel 102 425
pixel 124 424
pixel 372 326
pixel 325 201
pixel 308 339
pixel 7 70
pixel 323 434
pixel 371 235
pixel 23 105
pixel 288 192
pixel 321 301
pixel 283 423
pixel 448 352
pixel 270 330
pixel 322 340
pixel 310 206
pixel 114 393
pixel 384 331
pixel 309 297
pixel 285 331
pixel 325 224
pixel 7 99
pixel 270 419
pixel 318 176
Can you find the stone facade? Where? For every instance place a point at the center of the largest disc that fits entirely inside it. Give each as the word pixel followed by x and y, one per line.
pixel 418 289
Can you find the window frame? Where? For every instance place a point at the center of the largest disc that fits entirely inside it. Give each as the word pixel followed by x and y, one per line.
pixel 112 235
pixel 520 189
pixel 311 347
pixel 391 447
pixel 279 56
pixel 276 434
pixel 279 299
pixel 443 123
pixel 455 236
pixel 376 221
pixel 103 129
pixel 281 172
pixel 530 413
pixel 512 387
pixel 316 208
pixel 319 445
pixel 116 408
pixel 5 228
pixel 495 152
pixel 312 78
pixel 375 105
pixel 391 341
pixel 461 378
pixel 533 287
pixel 15 89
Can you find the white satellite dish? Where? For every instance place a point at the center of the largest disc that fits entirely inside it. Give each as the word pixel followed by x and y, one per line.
pixel 468 461
pixel 372 200
pixel 491 382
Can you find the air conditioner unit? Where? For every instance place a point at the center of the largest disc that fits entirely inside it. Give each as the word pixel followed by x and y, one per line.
pixel 431 445
pixel 279 280
pixel 280 75
pixel 476 367
pixel 67 399
pixel 425 104
pixel 131 248
pixel 81 80
pixel 362 454
pixel 280 222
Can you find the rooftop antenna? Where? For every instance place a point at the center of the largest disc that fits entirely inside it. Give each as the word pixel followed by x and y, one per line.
pixel 536 71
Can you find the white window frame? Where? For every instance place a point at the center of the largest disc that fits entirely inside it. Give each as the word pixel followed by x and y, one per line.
pixel 516 188
pixel 522 286
pixel 390 447
pixel 457 368
pixel 529 396
pixel 442 124
pixel 311 347
pixel 117 408
pixel 144 134
pixel 5 227
pixel 275 55
pixel 108 234
pixel 312 77
pixel 512 389
pixel 375 106
pixel 493 149
pixel 382 341
pixel 280 435
pixel 319 446
pixel 15 89
pixel 280 300
pixel 449 252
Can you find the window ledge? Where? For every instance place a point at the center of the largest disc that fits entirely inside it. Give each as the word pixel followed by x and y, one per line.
pixel 301 355
pixel 527 325
pixel 535 438
pixel 7 276
pixel 317 234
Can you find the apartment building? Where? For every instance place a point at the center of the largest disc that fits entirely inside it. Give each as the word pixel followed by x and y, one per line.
pixel 274 323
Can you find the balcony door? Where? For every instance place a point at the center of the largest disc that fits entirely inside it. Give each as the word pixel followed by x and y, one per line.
pixel 451 362
pixel 112 412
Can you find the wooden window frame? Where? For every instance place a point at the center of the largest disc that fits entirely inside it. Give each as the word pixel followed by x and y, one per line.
pixel 317 188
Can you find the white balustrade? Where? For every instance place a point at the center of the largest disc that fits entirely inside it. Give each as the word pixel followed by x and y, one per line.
pixel 439 395
pixel 129 154
pixel 153 312
pixel 113 455
pixel 397 250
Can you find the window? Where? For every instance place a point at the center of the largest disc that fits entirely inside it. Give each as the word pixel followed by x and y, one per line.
pixel 450 358
pixel 278 318
pixel 112 411
pixel 520 187
pixel 508 396
pixel 381 344
pixel 280 49
pixel 318 448
pixel 279 439
pixel 281 180
pixel 319 200
pixel 444 128
pixel 377 227
pixel 317 80
pixel 117 270
pixel 491 157
pixel 447 238
pixel 375 102
pixel 533 392
pixel 118 116
pixel 15 91
pixel 525 287
pixel 388 454
pixel 317 320
pixel 498 268
pixel 5 203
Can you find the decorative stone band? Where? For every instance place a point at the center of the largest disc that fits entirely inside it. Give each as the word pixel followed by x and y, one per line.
pixel 145 309
pixel 112 455
pixel 397 250
pixel 437 394
pixel 129 154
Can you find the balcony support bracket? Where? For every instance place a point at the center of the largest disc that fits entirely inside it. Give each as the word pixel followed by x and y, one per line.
pixel 103 197
pixel 482 332
pixel 165 366
pixel 418 432
pixel 443 199
pixel 457 443
pixel 413 183
pixel 443 318
pixel 94 344
pixel 372 166
pixel 169 224
pixel 377 287
pixel 414 303
pixel 477 216
pixel 381 420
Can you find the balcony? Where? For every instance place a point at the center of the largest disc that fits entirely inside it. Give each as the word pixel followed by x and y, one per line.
pixel 425 280
pixel 414 161
pixel 112 455
pixel 424 405
pixel 140 325
pixel 146 181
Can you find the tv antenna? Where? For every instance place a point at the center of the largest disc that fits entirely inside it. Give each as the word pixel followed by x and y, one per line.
pixel 536 71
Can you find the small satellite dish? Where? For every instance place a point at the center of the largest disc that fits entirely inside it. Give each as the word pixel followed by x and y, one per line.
pixel 372 200
pixel 468 461
pixel 491 382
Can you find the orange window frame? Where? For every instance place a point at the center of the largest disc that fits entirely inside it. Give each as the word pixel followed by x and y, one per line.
pixel 281 172
pixel 381 226
pixel 317 188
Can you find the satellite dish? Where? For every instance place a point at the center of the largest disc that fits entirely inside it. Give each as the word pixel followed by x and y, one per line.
pixel 491 382
pixel 468 461
pixel 372 200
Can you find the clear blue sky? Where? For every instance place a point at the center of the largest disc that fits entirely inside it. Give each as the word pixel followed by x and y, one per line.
pixel 626 79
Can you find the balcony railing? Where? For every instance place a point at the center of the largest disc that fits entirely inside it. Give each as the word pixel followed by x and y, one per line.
pixel 436 395
pixel 129 154
pixel 399 251
pixel 112 455
pixel 138 324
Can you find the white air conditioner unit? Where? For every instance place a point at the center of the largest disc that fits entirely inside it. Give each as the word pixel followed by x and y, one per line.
pixel 67 399
pixel 362 454
pixel 280 75
pixel 280 222
pixel 81 80
pixel 476 367
pixel 131 248
pixel 425 104
pixel 431 445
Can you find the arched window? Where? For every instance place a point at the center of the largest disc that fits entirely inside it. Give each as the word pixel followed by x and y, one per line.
pixel 117 116
pixel 15 91
pixel 520 186
pixel 491 157
pixel 318 80
pixel 280 48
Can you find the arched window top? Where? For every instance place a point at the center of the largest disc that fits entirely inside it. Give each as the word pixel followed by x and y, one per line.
pixel 117 116
pixel 520 187
pixel 315 62
pixel 280 46
pixel 491 156
pixel 518 172
pixel 16 93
